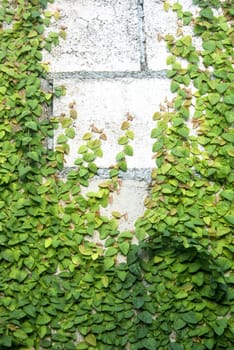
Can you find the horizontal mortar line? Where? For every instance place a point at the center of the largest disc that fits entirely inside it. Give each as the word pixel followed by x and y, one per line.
pixel 102 75
pixel 138 174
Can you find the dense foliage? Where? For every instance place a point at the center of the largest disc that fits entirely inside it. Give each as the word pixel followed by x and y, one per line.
pixel 59 289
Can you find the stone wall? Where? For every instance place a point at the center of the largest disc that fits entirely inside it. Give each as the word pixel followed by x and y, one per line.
pixel 113 63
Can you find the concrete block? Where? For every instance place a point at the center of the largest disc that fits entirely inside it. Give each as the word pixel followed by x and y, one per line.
pixel 159 22
pixel 129 201
pixel 105 103
pixel 102 35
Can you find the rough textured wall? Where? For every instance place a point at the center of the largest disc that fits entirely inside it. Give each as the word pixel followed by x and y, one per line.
pixel 112 63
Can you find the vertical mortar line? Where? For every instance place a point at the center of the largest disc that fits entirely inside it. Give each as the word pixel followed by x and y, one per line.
pixel 142 36
pixel 50 140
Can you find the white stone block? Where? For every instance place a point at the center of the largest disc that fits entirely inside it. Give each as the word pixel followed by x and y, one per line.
pixel 159 22
pixel 129 201
pixel 102 35
pixel 105 104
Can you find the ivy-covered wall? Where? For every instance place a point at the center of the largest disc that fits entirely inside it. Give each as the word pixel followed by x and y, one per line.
pixel 70 277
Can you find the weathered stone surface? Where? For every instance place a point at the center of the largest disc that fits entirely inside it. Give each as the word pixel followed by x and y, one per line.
pixel 158 23
pixel 105 104
pixel 102 35
pixel 129 201
pixel 112 64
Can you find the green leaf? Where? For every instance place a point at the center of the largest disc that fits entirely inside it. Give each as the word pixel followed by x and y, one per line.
pixel 166 6
pixel 138 301
pixel 184 131
pixel 19 333
pixel 181 152
pixel 31 125
pixel 66 122
pixel 123 165
pixel 34 156
pixel 108 262
pixel 145 317
pixel 6 340
pixel 33 104
pixel 192 317
pixel 228 136
pixel 83 149
pixel 150 344
pixel 70 132
pixel 178 121
pixel 179 324
pixel 209 343
pixel 123 140
pixel 193 57
pixel 111 251
pixel 198 279
pixel 187 40
pixel 174 86
pixel 128 150
pixel 229 115
pixel 3 90
pixel 221 87
pixel 43 319
pixel 209 45
pixel 124 248
pixel 229 218
pixel 42 331
pixel 157 116
pixel 105 281
pixel 181 295
pixel 29 262
pixel 121 275
pixel 219 326
pixel 120 156
pixel 48 242
pixel 61 139
pixel 213 98
pixel 24 170
pixel 227 194
pixel 93 168
pixel 91 339
pixel 157 146
pixel 165 168
pixel 207 13
pixel 229 99
pixel 30 310
pixel 129 134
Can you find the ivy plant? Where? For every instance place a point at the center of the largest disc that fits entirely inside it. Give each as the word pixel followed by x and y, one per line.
pixel 61 289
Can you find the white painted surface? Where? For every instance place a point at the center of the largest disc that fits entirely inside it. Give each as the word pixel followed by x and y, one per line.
pixel 102 35
pixel 159 23
pixel 106 103
pixel 129 201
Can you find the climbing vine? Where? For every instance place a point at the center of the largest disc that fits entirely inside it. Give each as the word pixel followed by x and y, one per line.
pixel 61 290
